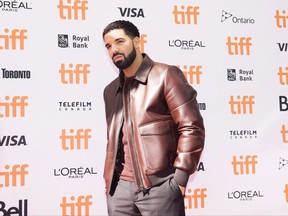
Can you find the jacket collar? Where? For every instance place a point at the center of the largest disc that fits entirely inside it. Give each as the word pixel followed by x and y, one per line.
pixel 141 74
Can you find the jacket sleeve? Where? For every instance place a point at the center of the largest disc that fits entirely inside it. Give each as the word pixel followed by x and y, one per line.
pixel 183 105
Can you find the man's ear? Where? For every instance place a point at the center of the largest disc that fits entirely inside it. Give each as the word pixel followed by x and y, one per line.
pixel 136 42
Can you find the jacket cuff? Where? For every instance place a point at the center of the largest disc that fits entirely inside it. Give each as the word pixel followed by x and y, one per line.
pixel 181 177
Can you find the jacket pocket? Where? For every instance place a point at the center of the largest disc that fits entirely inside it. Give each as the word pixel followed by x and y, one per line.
pixel 159 145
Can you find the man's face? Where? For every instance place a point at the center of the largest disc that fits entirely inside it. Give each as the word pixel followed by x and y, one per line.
pixel 120 48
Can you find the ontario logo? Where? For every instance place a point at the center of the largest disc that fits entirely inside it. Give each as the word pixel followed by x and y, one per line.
pixel 283 162
pixel 238 20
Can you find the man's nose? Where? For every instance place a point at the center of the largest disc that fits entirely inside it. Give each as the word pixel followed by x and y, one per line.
pixel 114 49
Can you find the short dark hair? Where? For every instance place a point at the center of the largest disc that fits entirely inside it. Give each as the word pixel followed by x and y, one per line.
pixel 128 27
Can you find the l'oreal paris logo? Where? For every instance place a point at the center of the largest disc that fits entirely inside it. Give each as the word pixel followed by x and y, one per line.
pixel 186 44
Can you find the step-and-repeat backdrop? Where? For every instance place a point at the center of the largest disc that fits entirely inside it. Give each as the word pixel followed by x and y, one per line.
pixel 54 67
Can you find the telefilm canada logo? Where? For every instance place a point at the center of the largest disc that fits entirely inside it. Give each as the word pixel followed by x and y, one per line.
pixel 243 134
pixel 186 44
pixel 14 6
pixel 75 106
pixel 241 75
pixel 74 172
pixel 73 41
pixel 225 16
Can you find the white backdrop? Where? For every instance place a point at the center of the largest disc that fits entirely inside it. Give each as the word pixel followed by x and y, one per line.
pixel 54 68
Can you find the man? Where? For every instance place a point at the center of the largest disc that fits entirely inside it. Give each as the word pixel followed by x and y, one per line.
pixel 154 127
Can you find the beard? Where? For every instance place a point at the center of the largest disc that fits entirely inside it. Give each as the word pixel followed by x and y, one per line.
pixel 127 61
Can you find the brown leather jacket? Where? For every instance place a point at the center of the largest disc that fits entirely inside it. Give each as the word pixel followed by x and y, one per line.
pixel 165 128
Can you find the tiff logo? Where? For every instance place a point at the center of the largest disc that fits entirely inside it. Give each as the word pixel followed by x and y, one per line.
pixel 284 133
pixel 192 73
pixel 76 205
pixel 12 175
pixel 286 193
pixel 239 46
pixel 73 75
pixel 244 165
pixel 73 9
pixel 188 15
pixel 143 41
pixel 195 199
pixel 17 103
pixel 75 139
pixel 283 75
pixel 242 105
pixel 11 39
pixel 281 19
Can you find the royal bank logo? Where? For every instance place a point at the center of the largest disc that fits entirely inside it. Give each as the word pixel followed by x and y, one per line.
pixel 63 41
pixel 240 74
pixel 76 41
pixel 243 134
pixel 225 16
pixel 186 44
pixel 14 6
pixel 245 195
pixel 75 106
pixel 75 172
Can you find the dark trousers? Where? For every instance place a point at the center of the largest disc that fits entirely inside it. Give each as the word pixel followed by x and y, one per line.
pixel 161 200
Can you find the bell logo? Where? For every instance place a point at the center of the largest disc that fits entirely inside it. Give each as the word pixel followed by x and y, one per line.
pixel 12 106
pixel 283 103
pixel 143 41
pixel 75 205
pixel 192 73
pixel 76 139
pixel 188 15
pixel 241 105
pixel 283 75
pixel 10 39
pixel 239 46
pixel 76 8
pixel 281 19
pixel 195 198
pixel 284 133
pixel 20 210
pixel 244 165
pixel 74 75
pixel 13 176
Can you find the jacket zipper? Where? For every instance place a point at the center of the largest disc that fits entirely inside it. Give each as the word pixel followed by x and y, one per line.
pixel 136 169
